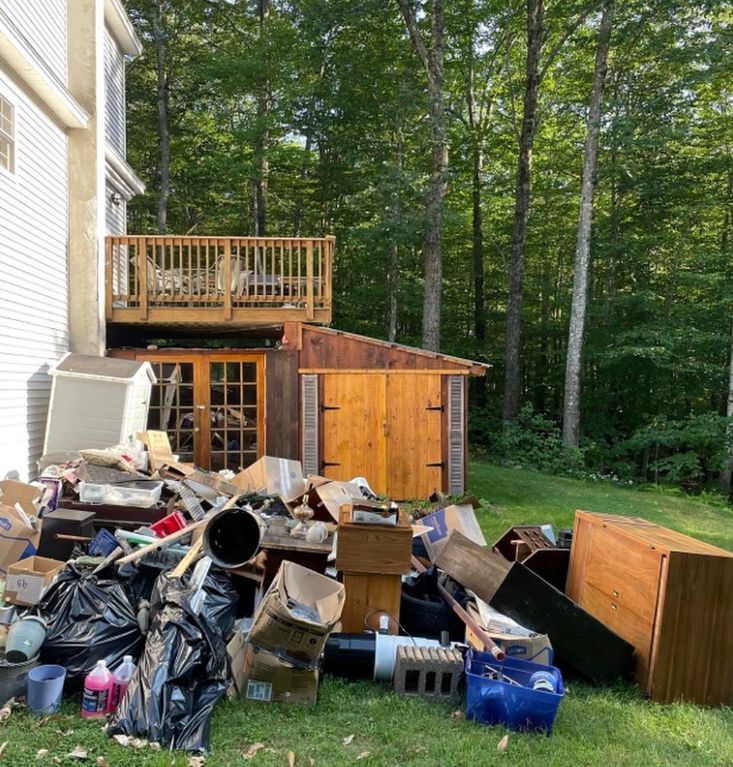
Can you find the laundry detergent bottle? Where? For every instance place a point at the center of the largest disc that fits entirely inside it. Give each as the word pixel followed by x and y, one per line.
pixel 97 696
pixel 122 676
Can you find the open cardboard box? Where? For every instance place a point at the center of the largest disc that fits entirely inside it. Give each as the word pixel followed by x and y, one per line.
pixel 28 579
pixel 281 624
pixel 458 516
pixel 273 476
pixel 18 538
pixel 270 680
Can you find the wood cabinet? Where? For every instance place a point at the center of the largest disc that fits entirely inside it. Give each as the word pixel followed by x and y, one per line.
pixel 667 594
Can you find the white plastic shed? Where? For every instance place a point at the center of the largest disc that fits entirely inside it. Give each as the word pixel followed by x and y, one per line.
pixel 97 402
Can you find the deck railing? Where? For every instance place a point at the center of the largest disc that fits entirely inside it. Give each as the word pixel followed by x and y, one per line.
pixel 211 279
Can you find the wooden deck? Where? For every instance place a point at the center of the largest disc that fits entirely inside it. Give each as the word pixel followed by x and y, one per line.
pixel 205 281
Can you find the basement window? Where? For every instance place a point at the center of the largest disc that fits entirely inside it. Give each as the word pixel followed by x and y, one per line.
pixel 7 135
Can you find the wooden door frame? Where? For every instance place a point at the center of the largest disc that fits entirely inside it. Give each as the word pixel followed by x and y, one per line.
pixel 201 359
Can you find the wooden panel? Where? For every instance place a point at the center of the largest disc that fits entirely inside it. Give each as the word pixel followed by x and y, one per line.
pixel 578 557
pixel 366 593
pixel 375 548
pixel 414 449
pixel 354 442
pixel 694 653
pixel 282 403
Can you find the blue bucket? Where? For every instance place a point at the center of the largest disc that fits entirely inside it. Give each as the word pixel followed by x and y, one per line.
pixel 501 701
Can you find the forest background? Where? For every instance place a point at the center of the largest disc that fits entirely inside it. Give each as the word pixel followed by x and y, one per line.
pixel 448 146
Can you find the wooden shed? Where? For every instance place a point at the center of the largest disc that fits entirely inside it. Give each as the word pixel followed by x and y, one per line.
pixel 344 405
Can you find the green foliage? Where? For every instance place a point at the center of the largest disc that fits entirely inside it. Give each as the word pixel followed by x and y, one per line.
pixel 533 441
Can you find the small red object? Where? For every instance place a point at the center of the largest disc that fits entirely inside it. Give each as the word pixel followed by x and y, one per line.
pixel 168 525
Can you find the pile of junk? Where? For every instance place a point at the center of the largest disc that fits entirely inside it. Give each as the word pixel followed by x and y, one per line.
pixel 152 588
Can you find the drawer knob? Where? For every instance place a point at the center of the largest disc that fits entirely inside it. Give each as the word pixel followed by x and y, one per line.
pixel 614 606
pixel 615 593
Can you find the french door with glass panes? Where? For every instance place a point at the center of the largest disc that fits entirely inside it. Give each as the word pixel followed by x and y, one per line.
pixel 211 404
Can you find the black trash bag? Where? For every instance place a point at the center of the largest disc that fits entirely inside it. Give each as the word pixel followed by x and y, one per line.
pixel 89 618
pixel 183 673
pixel 220 605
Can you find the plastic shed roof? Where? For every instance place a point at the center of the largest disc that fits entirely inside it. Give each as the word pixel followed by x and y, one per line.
pixel 106 368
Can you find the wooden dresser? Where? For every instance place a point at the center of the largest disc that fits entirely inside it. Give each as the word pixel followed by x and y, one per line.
pixel 669 595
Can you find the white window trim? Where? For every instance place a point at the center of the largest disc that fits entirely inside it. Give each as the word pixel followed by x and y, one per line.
pixel 12 174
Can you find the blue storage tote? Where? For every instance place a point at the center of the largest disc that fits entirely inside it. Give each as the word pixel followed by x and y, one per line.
pixel 496 701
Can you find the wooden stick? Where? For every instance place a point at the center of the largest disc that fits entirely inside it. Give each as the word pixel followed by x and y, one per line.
pixel 161 544
pixel 486 640
pixel 184 564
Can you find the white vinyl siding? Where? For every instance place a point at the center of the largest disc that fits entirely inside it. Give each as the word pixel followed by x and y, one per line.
pixel 114 83
pixel 43 23
pixel 115 214
pixel 33 279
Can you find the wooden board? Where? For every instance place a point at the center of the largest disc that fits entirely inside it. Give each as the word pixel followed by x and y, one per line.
pixel 414 438
pixel 380 549
pixel 365 593
pixel 578 638
pixel 354 441
pixel 282 402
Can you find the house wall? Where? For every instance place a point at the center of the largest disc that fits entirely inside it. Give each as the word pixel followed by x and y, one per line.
pixel 115 213
pixel 43 23
pixel 34 329
pixel 114 79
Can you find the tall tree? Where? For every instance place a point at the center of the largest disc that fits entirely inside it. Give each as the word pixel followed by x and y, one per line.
pixel 535 39
pixel 163 101
pixel 264 103
pixel 574 361
pixel 432 60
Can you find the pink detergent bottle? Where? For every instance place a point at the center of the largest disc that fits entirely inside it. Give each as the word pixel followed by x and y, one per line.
pixel 122 676
pixel 97 694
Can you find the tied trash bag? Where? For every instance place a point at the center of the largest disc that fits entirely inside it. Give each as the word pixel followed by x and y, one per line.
pixel 89 618
pixel 184 670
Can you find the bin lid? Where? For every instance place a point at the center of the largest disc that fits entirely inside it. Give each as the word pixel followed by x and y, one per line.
pixel 112 369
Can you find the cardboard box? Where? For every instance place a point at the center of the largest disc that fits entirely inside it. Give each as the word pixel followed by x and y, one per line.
pixel 534 647
pixel 459 516
pixel 270 680
pixel 273 476
pixel 29 578
pixel 236 648
pixel 18 539
pixel 159 449
pixel 296 615
pixel 26 496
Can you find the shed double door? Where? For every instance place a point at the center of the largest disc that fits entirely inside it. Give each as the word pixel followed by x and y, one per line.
pixel 386 428
pixel 211 404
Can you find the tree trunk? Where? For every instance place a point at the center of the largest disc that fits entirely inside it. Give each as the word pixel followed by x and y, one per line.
pixel 535 30
pixel 432 60
pixel 394 263
pixel 727 473
pixel 262 166
pixel 574 360
pixel 159 39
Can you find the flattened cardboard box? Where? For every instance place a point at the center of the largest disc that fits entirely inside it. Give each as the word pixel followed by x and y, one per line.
pixel 268 679
pixel 292 637
pixel 459 516
pixel 28 579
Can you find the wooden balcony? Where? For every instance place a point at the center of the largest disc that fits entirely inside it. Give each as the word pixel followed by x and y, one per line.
pixel 205 281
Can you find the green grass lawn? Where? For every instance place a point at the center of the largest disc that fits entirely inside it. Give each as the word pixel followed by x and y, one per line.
pixel 598 727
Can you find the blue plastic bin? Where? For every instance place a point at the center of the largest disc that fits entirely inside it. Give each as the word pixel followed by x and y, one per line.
pixel 494 701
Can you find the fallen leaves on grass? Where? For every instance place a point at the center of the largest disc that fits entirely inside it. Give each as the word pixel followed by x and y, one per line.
pixel 363 755
pixel 3 747
pixel 41 753
pixel 78 753
pixel 46 719
pixel 291 758
pixel 6 710
pixel 503 744
pixel 456 716
pixel 252 750
pixel 197 761
pixel 102 762
pixel 64 733
pixel 311 760
pixel 348 740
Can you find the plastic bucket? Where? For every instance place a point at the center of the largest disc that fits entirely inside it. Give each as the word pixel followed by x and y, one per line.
pixel 501 701
pixel 232 537
pixel 25 638
pixel 45 688
pixel 14 678
pixel 7 613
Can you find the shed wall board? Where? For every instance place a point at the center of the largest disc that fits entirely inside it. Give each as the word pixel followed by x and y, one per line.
pixel 282 404
pixel 34 327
